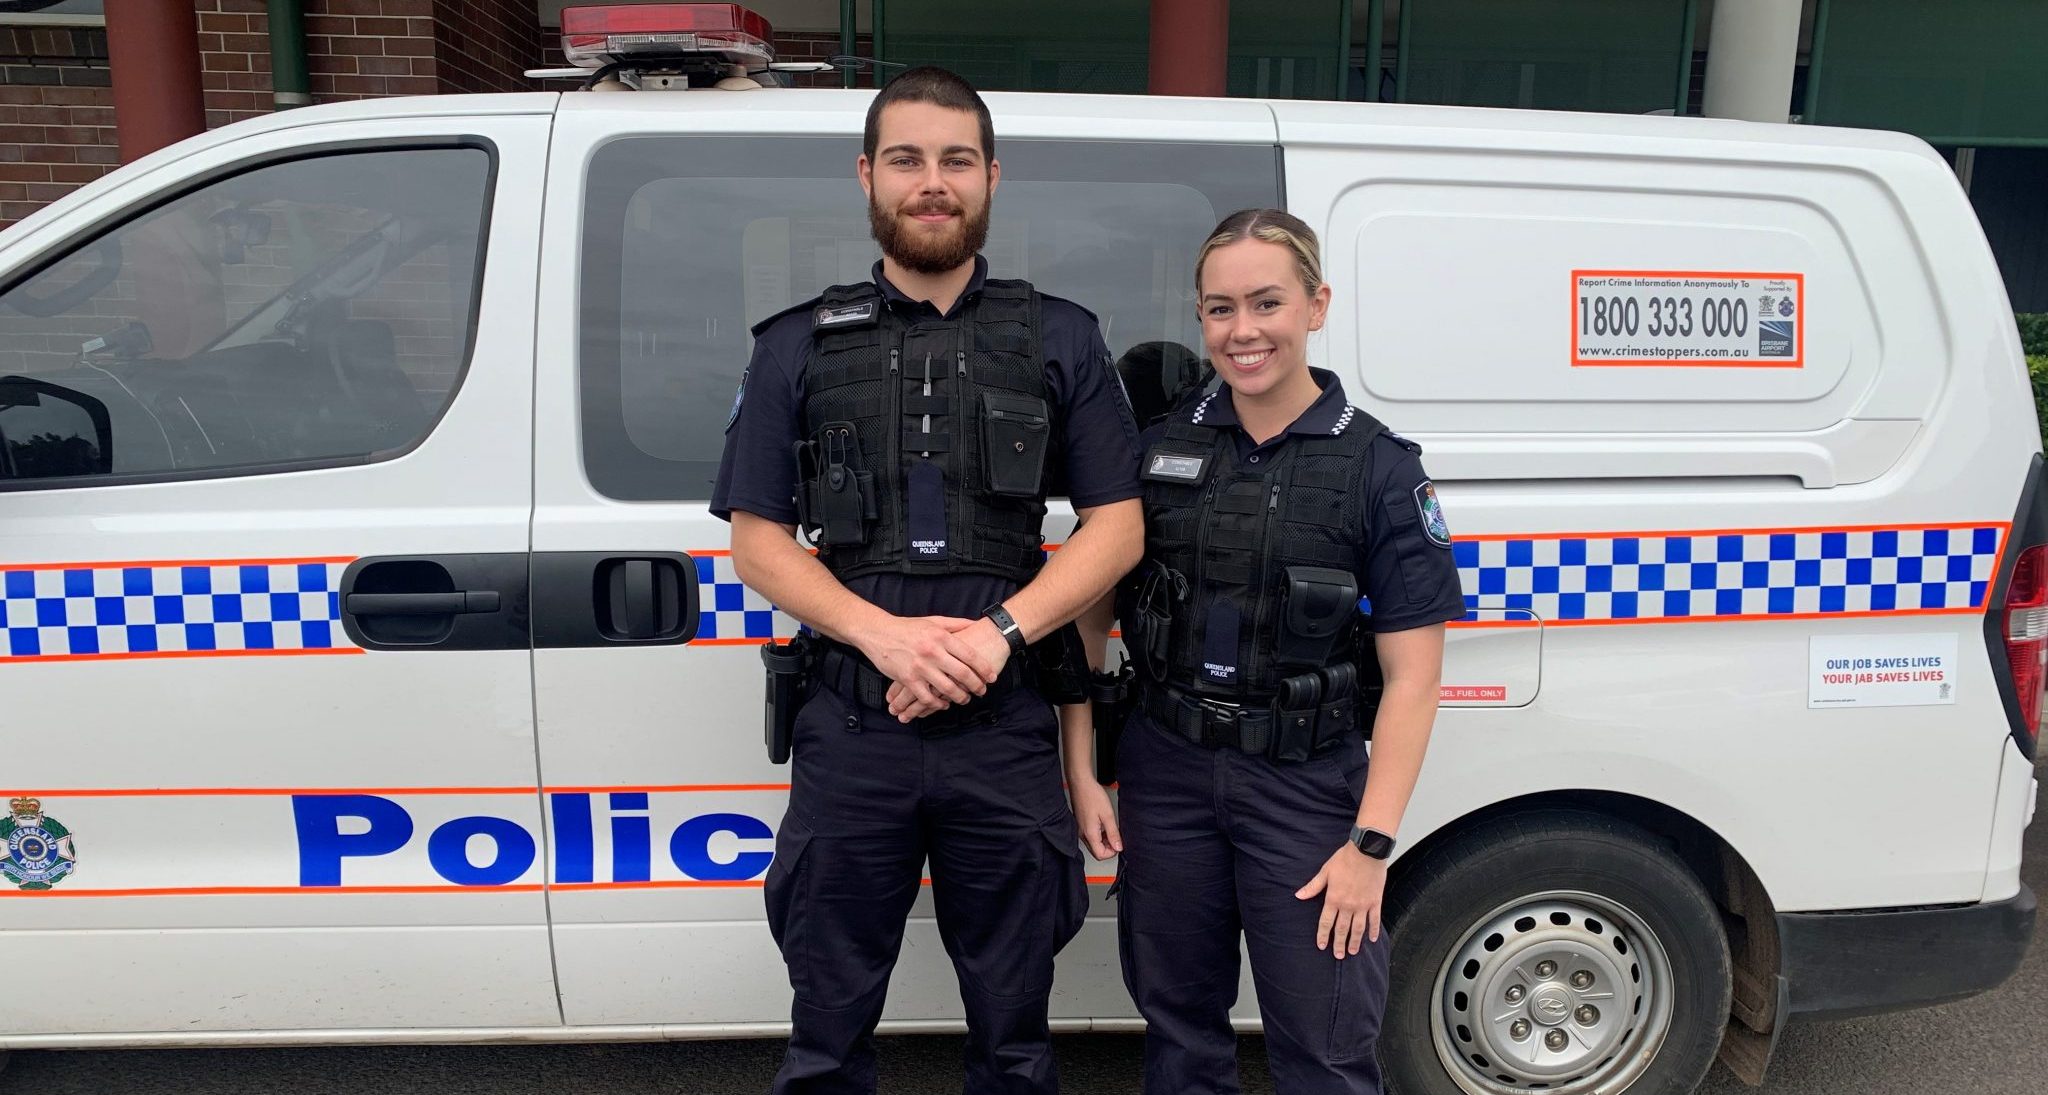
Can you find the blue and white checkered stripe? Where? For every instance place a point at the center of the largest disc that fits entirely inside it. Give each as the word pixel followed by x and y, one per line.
pixel 728 610
pixel 226 608
pixel 1618 577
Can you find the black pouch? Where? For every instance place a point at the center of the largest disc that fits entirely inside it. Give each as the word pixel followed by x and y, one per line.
pixel 1338 714
pixel 1148 625
pixel 837 496
pixel 1060 666
pixel 789 677
pixel 1318 603
pixel 1295 709
pixel 1016 433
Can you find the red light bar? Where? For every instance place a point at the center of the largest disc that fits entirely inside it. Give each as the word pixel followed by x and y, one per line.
pixel 593 37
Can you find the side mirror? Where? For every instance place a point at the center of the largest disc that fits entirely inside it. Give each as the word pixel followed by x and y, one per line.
pixel 42 431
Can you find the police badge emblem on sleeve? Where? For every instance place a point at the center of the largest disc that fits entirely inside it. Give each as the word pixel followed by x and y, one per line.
pixel 36 852
pixel 1432 514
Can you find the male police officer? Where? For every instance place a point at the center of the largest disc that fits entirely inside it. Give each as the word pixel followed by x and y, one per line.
pixel 917 419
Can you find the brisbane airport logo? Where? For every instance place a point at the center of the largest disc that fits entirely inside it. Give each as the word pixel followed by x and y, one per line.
pixel 1774 338
pixel 36 852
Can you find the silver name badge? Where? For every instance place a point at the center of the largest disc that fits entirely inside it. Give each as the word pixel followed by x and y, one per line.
pixel 1186 469
pixel 840 317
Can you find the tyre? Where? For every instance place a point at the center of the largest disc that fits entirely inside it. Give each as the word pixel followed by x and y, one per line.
pixel 1555 951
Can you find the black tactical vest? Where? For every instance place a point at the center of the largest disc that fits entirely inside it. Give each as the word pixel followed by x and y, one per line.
pixel 1220 537
pixel 948 424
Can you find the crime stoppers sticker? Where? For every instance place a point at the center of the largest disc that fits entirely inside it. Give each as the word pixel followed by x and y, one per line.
pixel 1697 318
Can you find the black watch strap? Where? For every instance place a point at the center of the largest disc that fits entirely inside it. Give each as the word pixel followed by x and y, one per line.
pixel 1371 843
pixel 1007 624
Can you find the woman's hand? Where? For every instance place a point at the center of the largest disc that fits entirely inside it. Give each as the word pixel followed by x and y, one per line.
pixel 1353 885
pixel 1095 816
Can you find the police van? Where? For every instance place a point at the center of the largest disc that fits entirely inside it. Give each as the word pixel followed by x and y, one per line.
pixel 371 669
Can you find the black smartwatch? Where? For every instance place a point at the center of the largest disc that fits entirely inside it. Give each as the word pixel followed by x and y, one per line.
pixel 1371 843
pixel 1007 625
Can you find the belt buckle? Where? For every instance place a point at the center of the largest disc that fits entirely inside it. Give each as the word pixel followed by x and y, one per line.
pixel 1217 716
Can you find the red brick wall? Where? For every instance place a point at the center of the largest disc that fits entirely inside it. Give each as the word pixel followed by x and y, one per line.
pixel 56 115
pixel 485 46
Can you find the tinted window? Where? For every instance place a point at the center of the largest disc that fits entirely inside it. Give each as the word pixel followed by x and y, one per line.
pixel 297 313
pixel 689 241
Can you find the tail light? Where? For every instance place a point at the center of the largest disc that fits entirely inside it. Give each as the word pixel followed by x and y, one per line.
pixel 2026 633
pixel 593 37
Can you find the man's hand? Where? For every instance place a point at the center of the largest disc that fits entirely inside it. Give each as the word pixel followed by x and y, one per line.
pixel 932 667
pixel 975 643
pixel 1353 885
pixel 1095 816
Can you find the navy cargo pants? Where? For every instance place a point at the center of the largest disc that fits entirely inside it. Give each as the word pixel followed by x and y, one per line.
pixel 1215 845
pixel 871 800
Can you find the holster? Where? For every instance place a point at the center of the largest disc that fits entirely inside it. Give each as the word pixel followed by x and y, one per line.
pixel 790 668
pixel 1111 694
pixel 1059 665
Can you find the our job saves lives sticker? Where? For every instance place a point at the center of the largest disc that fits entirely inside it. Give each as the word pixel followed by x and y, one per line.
pixel 1700 318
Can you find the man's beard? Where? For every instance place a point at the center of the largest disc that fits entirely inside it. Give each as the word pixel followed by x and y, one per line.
pixel 922 254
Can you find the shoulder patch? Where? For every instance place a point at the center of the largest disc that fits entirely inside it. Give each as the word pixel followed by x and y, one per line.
pixel 738 398
pixel 851 315
pixel 1432 512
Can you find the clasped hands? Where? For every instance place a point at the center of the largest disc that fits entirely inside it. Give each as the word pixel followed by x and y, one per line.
pixel 935 662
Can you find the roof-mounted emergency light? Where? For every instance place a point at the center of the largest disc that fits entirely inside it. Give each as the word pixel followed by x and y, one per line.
pixel 670 46
pixel 643 34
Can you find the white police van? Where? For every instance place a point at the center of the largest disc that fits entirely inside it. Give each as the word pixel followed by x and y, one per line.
pixel 371 669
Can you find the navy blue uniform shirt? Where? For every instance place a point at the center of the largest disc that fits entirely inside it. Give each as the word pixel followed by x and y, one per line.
pixel 758 471
pixel 1410 577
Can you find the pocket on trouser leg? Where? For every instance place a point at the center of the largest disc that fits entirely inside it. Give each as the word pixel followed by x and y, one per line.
pixel 785 891
pixel 1065 877
pixel 1358 1001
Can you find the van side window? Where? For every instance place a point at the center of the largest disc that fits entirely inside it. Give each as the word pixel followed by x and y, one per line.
pixel 689 241
pixel 302 313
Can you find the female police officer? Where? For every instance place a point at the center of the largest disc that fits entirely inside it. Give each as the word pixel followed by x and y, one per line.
pixel 1275 514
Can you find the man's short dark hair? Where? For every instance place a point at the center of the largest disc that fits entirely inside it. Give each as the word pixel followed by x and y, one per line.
pixel 934 85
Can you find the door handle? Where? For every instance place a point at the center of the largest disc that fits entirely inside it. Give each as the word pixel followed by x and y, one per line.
pixel 423 604
pixel 438 602
pixel 602 598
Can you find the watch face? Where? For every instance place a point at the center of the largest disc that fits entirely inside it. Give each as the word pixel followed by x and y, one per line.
pixel 1372 843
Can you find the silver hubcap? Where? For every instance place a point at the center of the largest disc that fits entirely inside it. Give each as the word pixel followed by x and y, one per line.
pixel 1561 992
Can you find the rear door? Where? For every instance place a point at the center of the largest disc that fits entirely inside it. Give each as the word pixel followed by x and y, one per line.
pixel 265 691
pixel 693 217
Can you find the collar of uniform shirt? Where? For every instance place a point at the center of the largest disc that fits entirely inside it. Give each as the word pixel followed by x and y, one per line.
pixel 896 297
pixel 1320 420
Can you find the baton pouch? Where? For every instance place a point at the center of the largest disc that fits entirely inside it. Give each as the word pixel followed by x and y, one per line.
pixel 789 678
pixel 835 495
pixel 1317 604
pixel 1111 695
pixel 1295 711
pixel 1060 665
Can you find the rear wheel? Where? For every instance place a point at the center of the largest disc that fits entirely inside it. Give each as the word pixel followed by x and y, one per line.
pixel 1553 951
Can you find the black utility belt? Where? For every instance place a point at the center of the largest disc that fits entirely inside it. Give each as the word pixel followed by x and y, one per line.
pixel 1292 726
pixel 871 689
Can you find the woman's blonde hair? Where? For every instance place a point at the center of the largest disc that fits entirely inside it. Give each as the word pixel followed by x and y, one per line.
pixel 1271 226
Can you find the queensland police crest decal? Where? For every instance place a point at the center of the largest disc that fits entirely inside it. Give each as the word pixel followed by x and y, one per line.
pixel 1432 512
pixel 738 398
pixel 35 851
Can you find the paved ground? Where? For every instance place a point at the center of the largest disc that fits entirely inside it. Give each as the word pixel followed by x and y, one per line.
pixel 1991 1045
